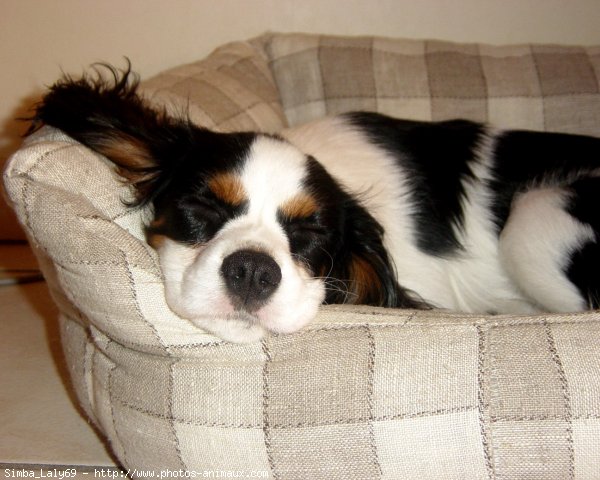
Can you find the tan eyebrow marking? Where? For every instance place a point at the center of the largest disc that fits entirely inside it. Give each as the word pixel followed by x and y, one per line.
pixel 228 188
pixel 301 205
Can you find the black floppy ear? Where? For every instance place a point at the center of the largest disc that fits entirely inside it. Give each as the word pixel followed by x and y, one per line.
pixel 108 116
pixel 363 262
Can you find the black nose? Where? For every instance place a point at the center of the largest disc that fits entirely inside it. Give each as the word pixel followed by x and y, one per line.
pixel 251 277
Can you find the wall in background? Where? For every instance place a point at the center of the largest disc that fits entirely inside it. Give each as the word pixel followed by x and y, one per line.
pixel 39 39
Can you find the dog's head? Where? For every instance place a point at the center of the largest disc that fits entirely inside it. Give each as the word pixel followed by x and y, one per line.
pixel 243 238
pixel 252 234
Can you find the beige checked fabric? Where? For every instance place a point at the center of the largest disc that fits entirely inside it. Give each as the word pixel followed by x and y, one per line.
pixel 362 393
pixel 233 90
pixel 524 86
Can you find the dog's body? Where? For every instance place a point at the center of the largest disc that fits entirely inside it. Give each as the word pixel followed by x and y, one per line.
pixel 255 231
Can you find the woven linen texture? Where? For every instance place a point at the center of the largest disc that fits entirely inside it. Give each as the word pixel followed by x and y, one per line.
pixel 523 86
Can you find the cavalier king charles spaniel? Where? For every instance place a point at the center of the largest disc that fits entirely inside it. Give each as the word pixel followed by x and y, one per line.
pixel 255 231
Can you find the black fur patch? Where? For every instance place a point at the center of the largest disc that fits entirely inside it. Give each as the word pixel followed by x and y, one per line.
pixel 436 158
pixel 525 159
pixel 583 272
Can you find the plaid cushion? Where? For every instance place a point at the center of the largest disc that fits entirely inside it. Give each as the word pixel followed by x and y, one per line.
pixel 524 86
pixel 232 90
pixel 362 392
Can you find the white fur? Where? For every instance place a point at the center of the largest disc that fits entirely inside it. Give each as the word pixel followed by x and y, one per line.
pixel 535 246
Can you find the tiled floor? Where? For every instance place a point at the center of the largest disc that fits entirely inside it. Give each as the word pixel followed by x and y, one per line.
pixel 40 428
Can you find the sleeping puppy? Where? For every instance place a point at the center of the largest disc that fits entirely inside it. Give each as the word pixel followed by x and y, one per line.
pixel 254 231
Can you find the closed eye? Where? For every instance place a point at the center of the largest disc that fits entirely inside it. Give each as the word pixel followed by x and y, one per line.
pixel 305 225
pixel 303 230
pixel 201 209
pixel 199 218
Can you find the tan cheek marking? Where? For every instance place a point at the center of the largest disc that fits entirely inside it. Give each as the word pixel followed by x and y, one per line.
pixel 364 281
pixel 301 205
pixel 153 236
pixel 228 188
pixel 156 240
pixel 158 222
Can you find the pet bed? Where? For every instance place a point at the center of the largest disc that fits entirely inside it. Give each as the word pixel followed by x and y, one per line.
pixel 361 392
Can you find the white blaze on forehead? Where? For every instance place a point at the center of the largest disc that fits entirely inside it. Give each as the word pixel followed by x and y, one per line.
pixel 272 174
